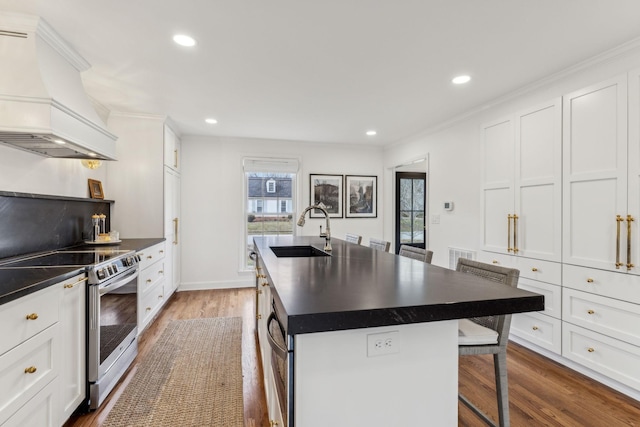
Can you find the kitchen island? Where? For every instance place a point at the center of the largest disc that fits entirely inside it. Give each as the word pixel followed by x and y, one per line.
pixel 371 337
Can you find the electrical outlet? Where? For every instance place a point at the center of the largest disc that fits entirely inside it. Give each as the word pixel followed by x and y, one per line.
pixel 383 343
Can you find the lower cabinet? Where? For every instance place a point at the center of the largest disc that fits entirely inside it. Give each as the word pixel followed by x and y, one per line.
pixel 151 284
pixel 41 411
pixel 73 321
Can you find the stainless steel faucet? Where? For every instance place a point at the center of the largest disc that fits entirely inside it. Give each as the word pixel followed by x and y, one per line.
pixel 327 236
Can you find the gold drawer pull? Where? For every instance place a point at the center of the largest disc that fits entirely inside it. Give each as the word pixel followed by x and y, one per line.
pixel 273 423
pixel 259 316
pixel 258 291
pixel 591 349
pixel 30 370
pixel 589 280
pixel 148 308
pixel 495 261
pixel 67 286
pixel 160 271
pixel 32 316
pixel 149 257
pixel 161 251
pixel 534 269
pixel 590 311
pixel 265 284
pixel 535 328
pixel 160 296
pixel 148 280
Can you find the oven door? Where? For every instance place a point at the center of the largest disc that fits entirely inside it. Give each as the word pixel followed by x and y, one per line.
pixel 113 324
pixel 276 336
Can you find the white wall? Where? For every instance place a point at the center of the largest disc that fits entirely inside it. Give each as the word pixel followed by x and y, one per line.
pixel 212 187
pixel 24 172
pixel 454 152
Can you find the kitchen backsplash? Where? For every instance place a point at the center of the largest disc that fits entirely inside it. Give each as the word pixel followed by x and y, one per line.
pixel 34 223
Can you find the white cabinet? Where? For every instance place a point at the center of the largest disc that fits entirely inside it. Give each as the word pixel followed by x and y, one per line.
pixel 151 284
pixel 522 177
pixel 595 203
pixel 30 357
pixel 172 148
pixel 172 225
pixel 73 320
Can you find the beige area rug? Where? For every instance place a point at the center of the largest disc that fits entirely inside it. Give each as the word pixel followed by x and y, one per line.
pixel 192 377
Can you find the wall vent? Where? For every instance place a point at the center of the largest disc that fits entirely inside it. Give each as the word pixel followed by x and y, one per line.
pixel 455 253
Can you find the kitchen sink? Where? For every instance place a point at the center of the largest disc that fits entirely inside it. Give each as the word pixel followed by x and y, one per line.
pixel 297 251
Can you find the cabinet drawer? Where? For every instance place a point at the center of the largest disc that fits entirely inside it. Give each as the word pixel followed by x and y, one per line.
pixel 608 356
pixel 622 286
pixel 23 318
pixel 543 271
pixel 552 295
pixel 150 304
pixel 41 411
pixel 611 317
pixel 150 255
pixel 150 276
pixel 539 329
pixel 18 385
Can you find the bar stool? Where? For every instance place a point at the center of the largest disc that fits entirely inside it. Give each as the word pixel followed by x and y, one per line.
pixel 379 245
pixel 416 253
pixel 488 335
pixel 353 238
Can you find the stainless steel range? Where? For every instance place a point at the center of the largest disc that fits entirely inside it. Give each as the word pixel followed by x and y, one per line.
pixel 112 323
pixel 112 310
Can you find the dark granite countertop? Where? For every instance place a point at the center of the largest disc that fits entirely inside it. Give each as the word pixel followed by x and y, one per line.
pixel 18 282
pixel 357 287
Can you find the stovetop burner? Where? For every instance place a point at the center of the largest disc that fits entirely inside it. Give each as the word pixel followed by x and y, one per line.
pixel 66 259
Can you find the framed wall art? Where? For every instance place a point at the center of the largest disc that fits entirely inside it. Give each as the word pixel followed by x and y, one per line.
pixel 361 196
pixel 95 189
pixel 328 190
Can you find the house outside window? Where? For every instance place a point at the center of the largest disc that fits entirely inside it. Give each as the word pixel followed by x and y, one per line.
pixel 269 203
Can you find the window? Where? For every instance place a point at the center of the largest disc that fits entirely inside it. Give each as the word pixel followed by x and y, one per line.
pixel 271 186
pixel 270 196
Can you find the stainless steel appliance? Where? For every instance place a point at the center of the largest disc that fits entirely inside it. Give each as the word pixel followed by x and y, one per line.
pixel 112 323
pixel 281 364
pixel 112 309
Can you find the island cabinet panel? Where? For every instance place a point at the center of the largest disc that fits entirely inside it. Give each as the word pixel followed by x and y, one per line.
pixel 338 382
pixel 151 284
pixel 521 183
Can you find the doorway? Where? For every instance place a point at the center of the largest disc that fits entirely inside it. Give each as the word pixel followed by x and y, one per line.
pixel 411 198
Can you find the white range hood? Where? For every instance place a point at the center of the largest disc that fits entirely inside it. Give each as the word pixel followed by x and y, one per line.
pixel 43 106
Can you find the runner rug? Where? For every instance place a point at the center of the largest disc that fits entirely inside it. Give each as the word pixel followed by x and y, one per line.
pixel 191 377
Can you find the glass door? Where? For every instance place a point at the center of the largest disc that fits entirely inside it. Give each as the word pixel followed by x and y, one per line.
pixel 410 209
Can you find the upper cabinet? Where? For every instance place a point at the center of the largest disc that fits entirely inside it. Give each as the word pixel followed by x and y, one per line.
pixel 601 176
pixel 172 146
pixel 522 177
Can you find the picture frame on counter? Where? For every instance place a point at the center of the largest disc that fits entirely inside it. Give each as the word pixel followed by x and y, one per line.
pixel 95 189
pixel 326 189
pixel 361 196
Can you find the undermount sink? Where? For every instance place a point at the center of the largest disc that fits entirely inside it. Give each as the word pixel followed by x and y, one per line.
pixel 297 251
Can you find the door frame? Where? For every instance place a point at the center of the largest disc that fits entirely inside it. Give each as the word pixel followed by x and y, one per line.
pixel 396 231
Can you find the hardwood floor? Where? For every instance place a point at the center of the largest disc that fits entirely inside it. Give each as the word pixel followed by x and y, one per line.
pixel 542 392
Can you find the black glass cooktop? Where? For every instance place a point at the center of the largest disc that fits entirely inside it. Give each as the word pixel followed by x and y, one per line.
pixel 65 259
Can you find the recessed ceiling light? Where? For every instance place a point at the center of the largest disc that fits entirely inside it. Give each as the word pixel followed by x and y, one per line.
pixel 59 141
pixel 211 121
pixel 371 132
pixel 184 40
pixel 91 154
pixel 459 80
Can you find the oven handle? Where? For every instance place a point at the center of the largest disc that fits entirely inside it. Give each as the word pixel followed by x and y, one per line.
pixel 281 352
pixel 108 287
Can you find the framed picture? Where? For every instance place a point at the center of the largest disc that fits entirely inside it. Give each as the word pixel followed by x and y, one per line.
pixel 361 197
pixel 328 190
pixel 95 189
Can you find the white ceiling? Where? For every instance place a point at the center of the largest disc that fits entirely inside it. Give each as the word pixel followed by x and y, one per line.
pixel 329 70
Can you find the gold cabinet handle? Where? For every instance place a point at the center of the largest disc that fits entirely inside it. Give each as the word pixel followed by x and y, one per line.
pixel 589 280
pixel 590 312
pixel 175 231
pixel 273 423
pixel 629 221
pixel 148 280
pixel 160 271
pixel 259 291
pixel 148 308
pixel 161 251
pixel 259 316
pixel 30 370
pixel 509 248
pixel 71 285
pixel 591 349
pixel 535 328
pixel 619 219
pixel 32 316
pixel 495 261
pixel 265 284
pixel 534 269
pixel 515 234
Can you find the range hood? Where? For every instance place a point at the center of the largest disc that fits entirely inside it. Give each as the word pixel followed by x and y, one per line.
pixel 43 106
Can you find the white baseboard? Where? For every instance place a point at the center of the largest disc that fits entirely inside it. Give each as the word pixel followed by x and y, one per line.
pixel 226 284
pixel 622 388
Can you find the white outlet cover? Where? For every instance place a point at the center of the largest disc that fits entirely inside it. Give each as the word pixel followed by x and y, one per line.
pixel 383 343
